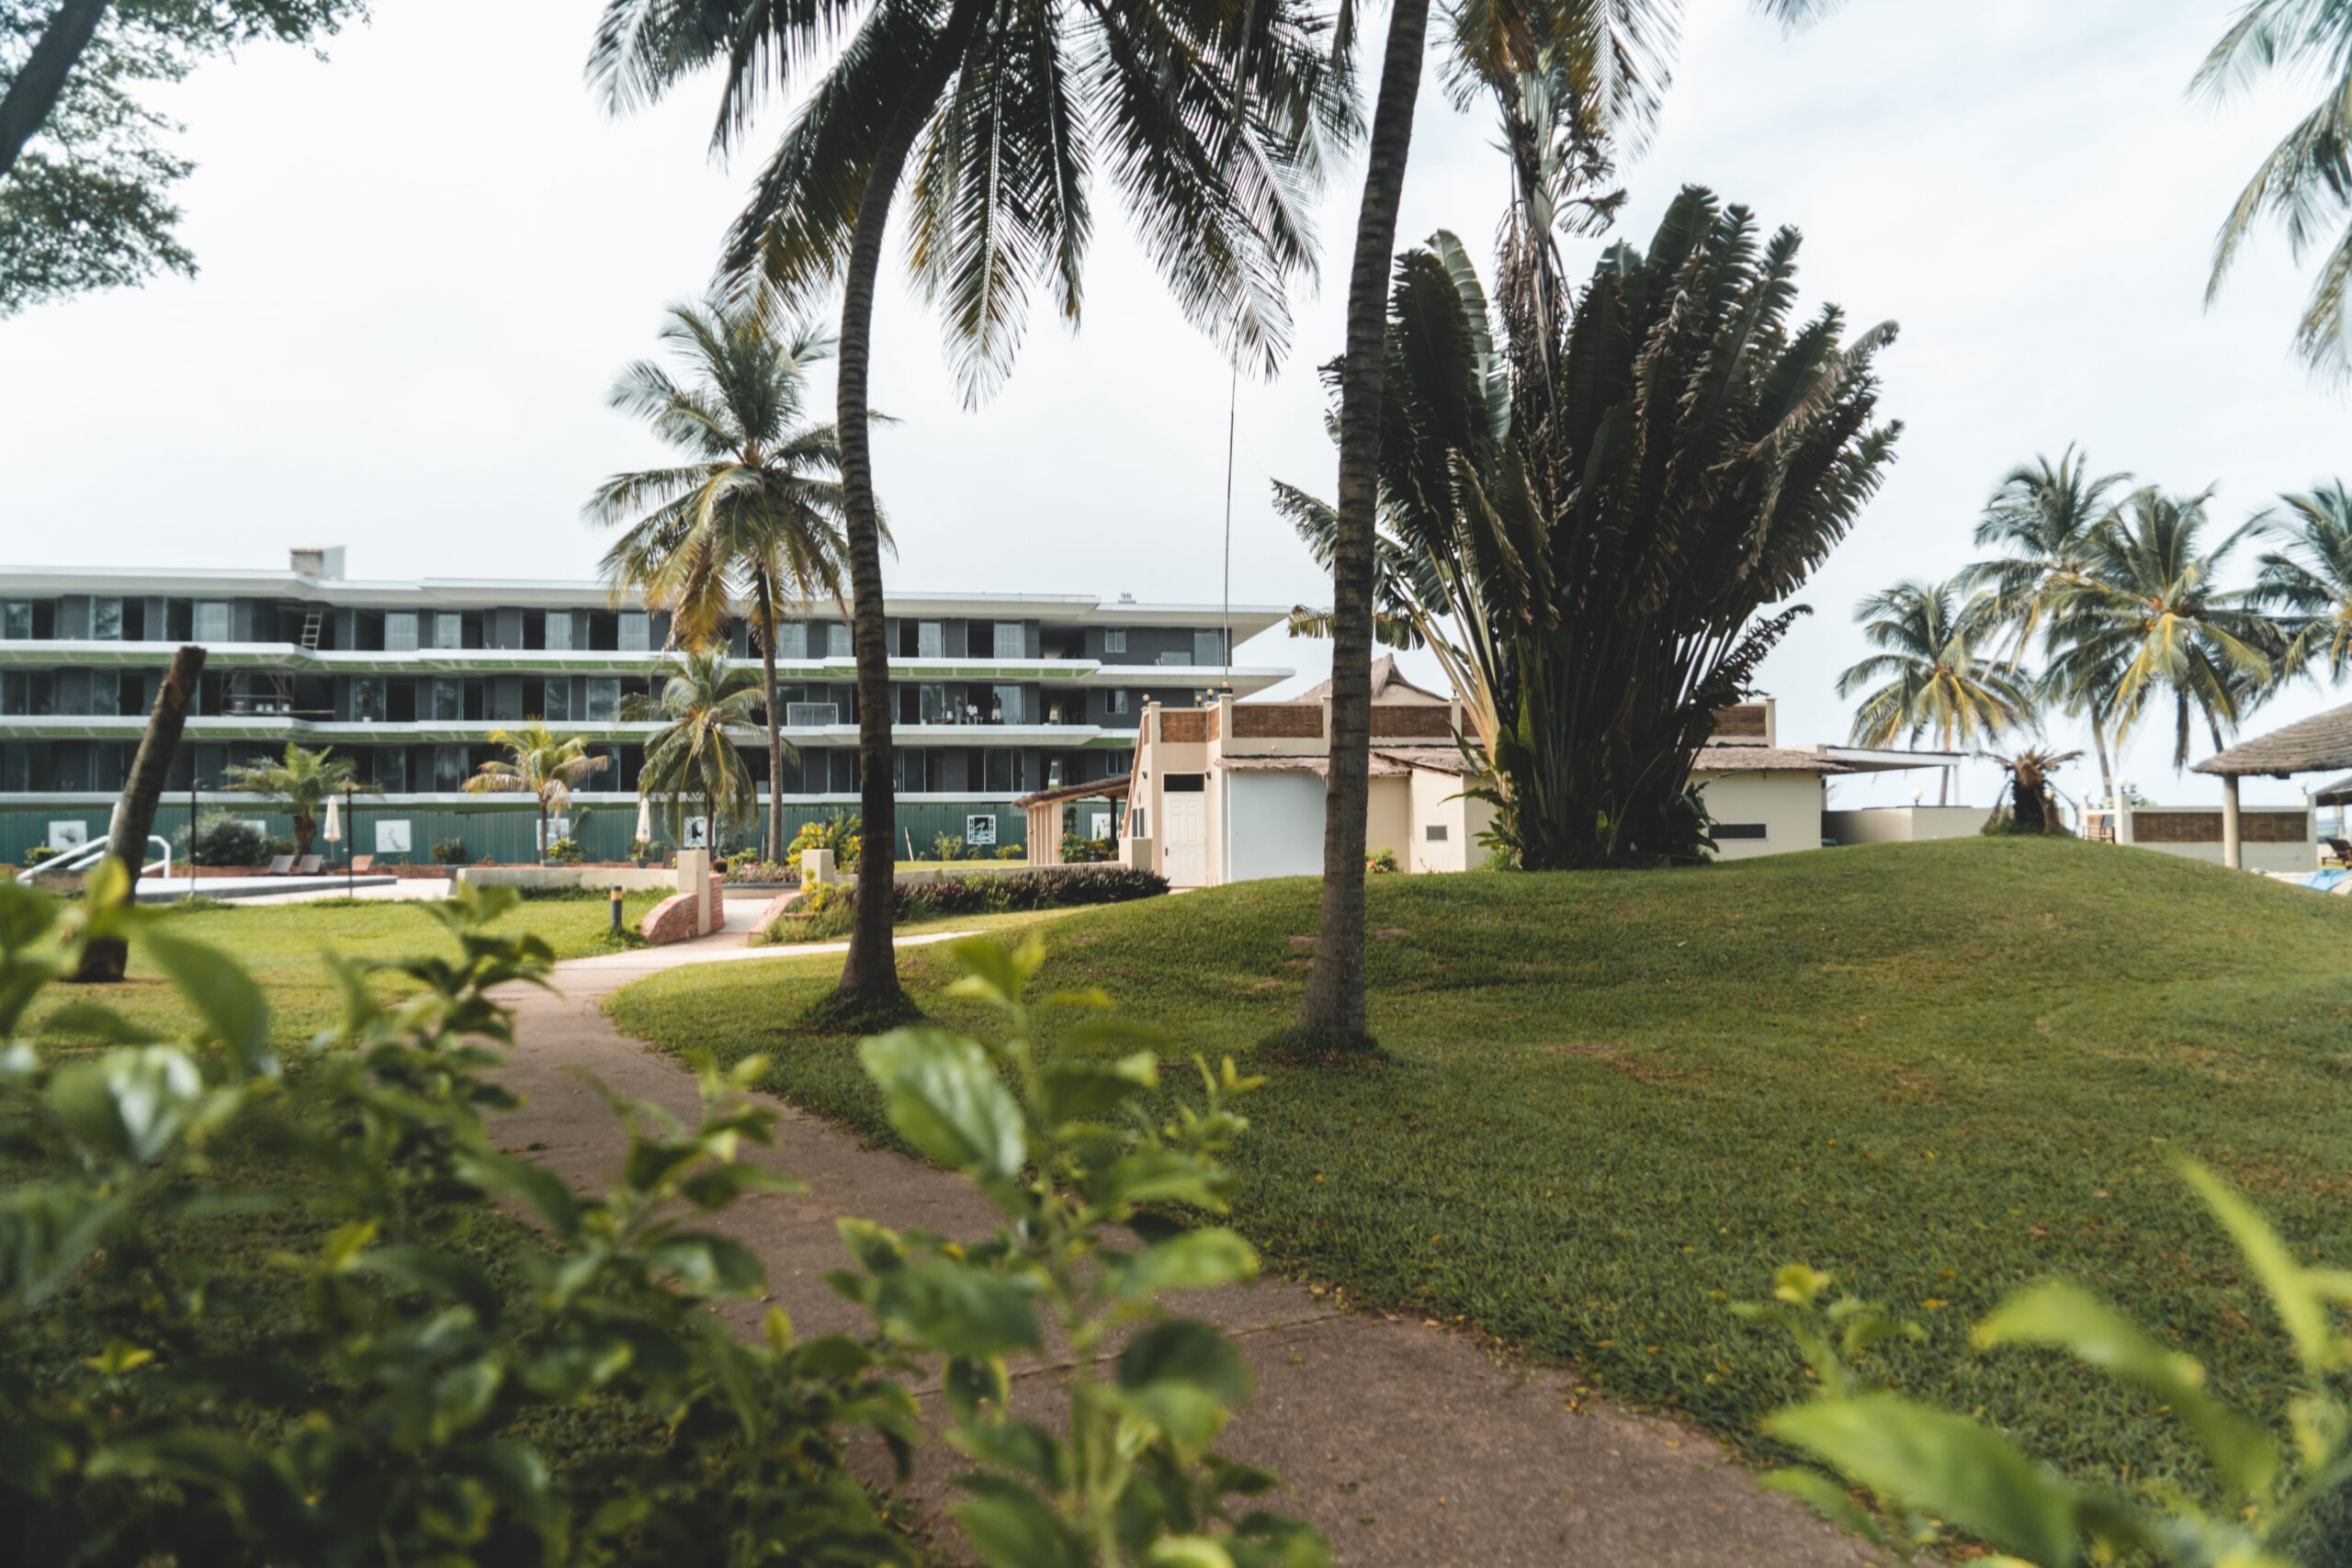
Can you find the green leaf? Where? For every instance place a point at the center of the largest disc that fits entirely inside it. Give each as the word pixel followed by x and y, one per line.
pixel 1185 1376
pixel 1187 1551
pixel 1022 1446
pixel 2069 1318
pixel 708 1264
pixel 98 1022
pixel 944 1097
pixel 957 1308
pixel 221 992
pixel 1829 1499
pixel 1194 1260
pixel 993 970
pixel 131 1102
pixel 1946 1464
pixel 1077 1090
pixel 1012 1527
pixel 546 1194
pixel 2290 1290
pixel 1161 1176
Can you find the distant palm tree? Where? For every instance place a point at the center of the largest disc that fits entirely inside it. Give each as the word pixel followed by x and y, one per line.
pixel 2045 516
pixel 2309 578
pixel 1934 681
pixel 2306 183
pixel 2145 621
pixel 695 757
pixel 1208 118
pixel 302 781
pixel 2032 807
pixel 754 517
pixel 538 764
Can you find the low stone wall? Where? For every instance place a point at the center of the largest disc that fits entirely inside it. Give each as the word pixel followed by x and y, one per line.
pixel 636 878
pixel 678 917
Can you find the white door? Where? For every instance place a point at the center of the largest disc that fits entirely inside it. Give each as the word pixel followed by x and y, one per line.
pixel 1184 826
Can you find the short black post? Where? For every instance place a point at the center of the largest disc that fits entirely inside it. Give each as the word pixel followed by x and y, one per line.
pixel 617 909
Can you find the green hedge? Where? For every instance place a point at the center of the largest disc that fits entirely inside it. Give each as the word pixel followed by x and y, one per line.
pixel 827 912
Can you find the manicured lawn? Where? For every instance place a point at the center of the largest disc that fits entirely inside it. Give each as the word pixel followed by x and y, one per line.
pixel 280 944
pixel 1938 1070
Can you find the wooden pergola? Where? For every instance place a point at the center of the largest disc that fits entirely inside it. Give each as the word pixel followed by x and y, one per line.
pixel 2321 744
pixel 1044 809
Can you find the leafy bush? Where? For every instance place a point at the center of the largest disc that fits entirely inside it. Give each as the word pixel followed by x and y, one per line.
pixel 40 853
pixel 946 847
pixel 1919 1471
pixel 841 834
pixel 386 1410
pixel 223 840
pixel 1079 849
pixel 766 871
pixel 448 852
pixel 829 910
pixel 566 851
pixel 1381 861
pixel 1012 852
pixel 1066 1148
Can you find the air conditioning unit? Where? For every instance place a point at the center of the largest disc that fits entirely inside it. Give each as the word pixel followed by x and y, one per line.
pixel 811 715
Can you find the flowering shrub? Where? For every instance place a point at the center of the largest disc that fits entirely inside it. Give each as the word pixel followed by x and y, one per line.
pixel 827 912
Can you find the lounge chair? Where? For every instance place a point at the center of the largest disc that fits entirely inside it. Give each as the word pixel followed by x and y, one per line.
pixel 310 865
pixel 2341 850
pixel 362 864
pixel 281 865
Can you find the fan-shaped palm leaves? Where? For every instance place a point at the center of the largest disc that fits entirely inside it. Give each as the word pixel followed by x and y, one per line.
pixel 1931 678
pixel 2306 183
pixel 302 781
pixel 539 764
pixel 2145 621
pixel 2308 580
pixel 753 518
pixel 1206 113
pixel 694 756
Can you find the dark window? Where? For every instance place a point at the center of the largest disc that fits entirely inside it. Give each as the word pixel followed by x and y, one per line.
pixel 1184 784
pixel 1737 830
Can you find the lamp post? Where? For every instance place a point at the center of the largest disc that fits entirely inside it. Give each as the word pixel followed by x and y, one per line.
pixel 351 825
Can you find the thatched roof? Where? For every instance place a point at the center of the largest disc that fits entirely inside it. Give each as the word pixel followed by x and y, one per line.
pixel 1388 686
pixel 1763 760
pixel 2321 744
pixel 2338 793
pixel 1430 760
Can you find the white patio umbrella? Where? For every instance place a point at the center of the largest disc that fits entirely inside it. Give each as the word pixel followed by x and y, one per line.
pixel 332 831
pixel 644 820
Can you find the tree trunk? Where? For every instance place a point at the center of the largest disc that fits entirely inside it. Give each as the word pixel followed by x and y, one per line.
pixel 543 830
pixel 2106 774
pixel 134 818
pixel 35 91
pixel 306 828
pixel 870 974
pixel 1333 1009
pixel 765 590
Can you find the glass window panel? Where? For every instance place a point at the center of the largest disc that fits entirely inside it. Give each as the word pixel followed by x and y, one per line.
pixel 604 698
pixel 449 629
pixel 1004 705
pixel 931 639
pixel 12 691
pixel 934 705
pixel 791 640
pixel 106 619
pixel 836 640
pixel 637 632
pixel 448 768
pixel 560 631
pixel 556 700
pixel 1009 642
pixel 105 692
pixel 1000 768
pixel 400 632
pixel 1118 702
pixel 368 699
pixel 1208 648
pixel 212 620
pixel 1116 640
pixel 16 620
pixel 448 700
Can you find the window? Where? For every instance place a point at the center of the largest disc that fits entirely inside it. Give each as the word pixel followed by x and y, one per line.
pixel 212 621
pixel 16 620
pixel 931 640
pixel 448 700
pixel 399 631
pixel 555 702
pixel 1435 833
pixel 1003 769
pixel 1119 702
pixel 932 705
pixel 368 699
pixel 448 769
pixel 1208 648
pixel 449 629
pixel 558 638
pixel 637 632
pixel 1738 830
pixel 1116 640
pixel 1009 641
pixel 106 691
pixel 1139 822
pixel 836 640
pixel 791 640
pixel 604 699
pixel 1004 705
pixel 106 619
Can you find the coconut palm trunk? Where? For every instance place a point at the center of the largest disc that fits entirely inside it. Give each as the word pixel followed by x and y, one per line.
pixel 104 958
pixel 1333 1009
pixel 870 973
pixel 769 694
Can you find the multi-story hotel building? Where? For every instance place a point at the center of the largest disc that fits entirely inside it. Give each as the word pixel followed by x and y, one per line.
pixel 994 695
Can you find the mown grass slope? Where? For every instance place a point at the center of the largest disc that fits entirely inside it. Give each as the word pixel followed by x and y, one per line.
pixel 1615 1100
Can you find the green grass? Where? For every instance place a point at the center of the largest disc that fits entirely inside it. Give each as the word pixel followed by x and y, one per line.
pixel 1617 1099
pixel 280 944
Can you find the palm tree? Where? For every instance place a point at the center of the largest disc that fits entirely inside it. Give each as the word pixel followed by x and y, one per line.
pixel 753 518
pixel 2309 578
pixel 1205 113
pixel 1609 46
pixel 1933 681
pixel 302 781
pixel 2032 807
pixel 2044 515
pixel 2145 620
pixel 538 764
pixel 703 698
pixel 2306 183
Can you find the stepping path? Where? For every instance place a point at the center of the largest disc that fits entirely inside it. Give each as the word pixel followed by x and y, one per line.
pixel 1405 1444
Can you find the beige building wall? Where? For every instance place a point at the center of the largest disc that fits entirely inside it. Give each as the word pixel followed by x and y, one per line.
pixel 1444 829
pixel 1904 824
pixel 1786 804
pixel 1388 823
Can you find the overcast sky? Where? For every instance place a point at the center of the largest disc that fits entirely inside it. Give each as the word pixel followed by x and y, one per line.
pixel 423 260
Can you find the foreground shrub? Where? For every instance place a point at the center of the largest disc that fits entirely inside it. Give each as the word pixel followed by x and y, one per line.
pixel 223 839
pixel 841 834
pixel 1907 1473
pixel 827 912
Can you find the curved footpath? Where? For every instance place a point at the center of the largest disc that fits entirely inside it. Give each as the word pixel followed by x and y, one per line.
pixel 1405 1444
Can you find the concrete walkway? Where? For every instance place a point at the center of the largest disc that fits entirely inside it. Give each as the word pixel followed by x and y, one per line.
pixel 1408 1446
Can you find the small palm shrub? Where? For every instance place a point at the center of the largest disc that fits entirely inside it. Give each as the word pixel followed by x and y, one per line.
pixel 448 852
pixel 947 847
pixel 841 834
pixel 827 912
pixel 1079 850
pixel 566 851
pixel 1381 861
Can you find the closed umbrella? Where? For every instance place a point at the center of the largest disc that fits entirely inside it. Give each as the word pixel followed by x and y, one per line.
pixel 332 831
pixel 644 820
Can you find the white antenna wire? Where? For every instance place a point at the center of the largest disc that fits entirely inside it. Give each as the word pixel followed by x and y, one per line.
pixel 1232 409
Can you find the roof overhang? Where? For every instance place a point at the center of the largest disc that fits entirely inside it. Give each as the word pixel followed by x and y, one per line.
pixel 1881 760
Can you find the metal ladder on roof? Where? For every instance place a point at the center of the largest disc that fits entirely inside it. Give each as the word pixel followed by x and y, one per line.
pixel 313 623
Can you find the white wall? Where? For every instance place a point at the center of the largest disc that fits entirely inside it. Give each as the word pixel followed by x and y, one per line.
pixel 2257 857
pixel 1904 824
pixel 1435 805
pixel 1788 803
pixel 1277 824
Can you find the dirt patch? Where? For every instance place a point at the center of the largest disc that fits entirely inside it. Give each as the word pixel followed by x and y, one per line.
pixel 1268 984
pixel 1908 1088
pixel 1631 1066
pixel 1302 942
pixel 1388 933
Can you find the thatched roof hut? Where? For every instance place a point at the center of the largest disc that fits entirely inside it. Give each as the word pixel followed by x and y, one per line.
pixel 2321 744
